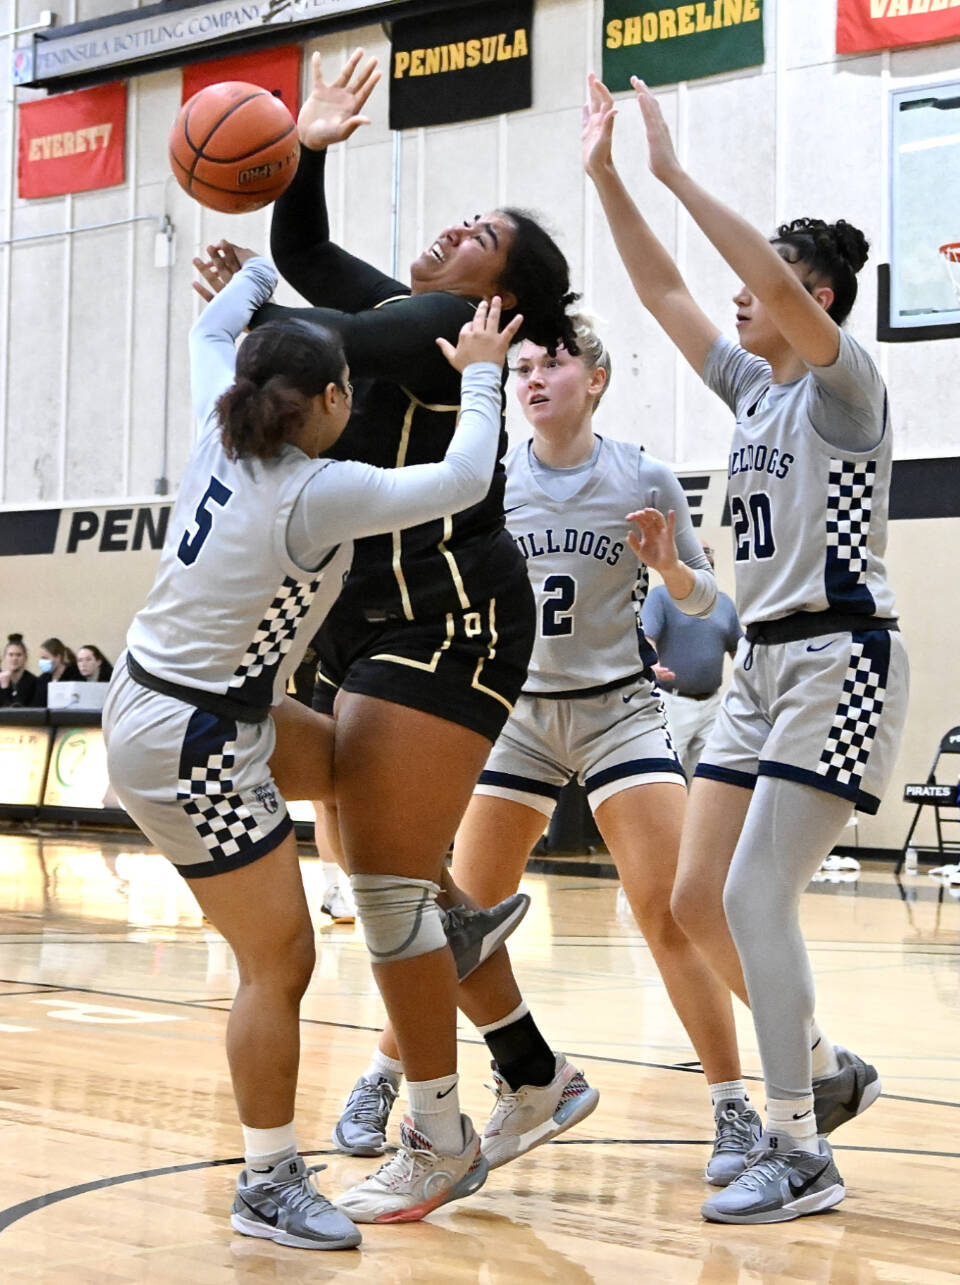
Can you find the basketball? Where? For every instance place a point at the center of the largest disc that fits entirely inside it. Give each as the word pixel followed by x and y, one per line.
pixel 234 147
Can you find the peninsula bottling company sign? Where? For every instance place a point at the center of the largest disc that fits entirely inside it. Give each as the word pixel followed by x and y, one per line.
pixel 129 39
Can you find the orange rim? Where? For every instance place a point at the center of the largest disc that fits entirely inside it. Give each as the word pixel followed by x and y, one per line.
pixel 951 251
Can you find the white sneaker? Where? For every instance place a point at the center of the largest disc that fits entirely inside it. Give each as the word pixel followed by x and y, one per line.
pixel 532 1115
pixel 416 1180
pixel 336 905
pixel 834 862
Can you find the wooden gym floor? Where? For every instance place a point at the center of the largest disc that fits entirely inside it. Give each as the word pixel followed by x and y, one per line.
pixel 120 1147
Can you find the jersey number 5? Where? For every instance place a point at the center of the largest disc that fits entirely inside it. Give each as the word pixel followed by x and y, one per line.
pixel 556 620
pixel 190 545
pixel 753 527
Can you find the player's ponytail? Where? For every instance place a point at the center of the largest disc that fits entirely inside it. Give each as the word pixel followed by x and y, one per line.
pixel 591 348
pixel 538 275
pixel 835 252
pixel 281 367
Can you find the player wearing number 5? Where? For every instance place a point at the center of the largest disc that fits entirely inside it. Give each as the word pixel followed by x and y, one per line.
pixel 202 744
pixel 810 725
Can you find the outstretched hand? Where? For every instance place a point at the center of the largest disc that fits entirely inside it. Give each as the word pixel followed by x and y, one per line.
pixel 596 135
pixel 224 260
pixel 481 338
pixel 332 112
pixel 653 540
pixel 662 156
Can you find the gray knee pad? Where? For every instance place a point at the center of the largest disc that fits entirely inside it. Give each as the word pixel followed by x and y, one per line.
pixel 400 916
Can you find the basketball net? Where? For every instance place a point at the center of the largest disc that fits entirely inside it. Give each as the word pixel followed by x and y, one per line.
pixel 950 258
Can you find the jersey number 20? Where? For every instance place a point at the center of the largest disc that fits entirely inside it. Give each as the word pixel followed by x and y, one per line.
pixel 190 545
pixel 556 620
pixel 753 527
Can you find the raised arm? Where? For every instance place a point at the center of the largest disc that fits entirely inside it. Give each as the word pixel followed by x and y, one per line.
pixel 214 334
pixel 349 500
pixel 797 314
pixel 655 277
pixel 300 242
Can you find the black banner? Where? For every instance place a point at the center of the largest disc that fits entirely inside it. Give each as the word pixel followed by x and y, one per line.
pixel 929 793
pixel 461 65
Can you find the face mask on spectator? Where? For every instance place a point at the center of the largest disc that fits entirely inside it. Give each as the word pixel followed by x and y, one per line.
pixel 45 665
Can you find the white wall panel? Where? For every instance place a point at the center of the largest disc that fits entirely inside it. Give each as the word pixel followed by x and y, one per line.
pixel 35 364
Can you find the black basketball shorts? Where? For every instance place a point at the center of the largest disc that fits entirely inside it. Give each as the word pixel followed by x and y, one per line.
pixel 466 666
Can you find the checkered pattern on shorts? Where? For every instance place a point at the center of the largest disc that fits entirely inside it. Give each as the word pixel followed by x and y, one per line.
pixel 206 790
pixel 209 776
pixel 277 630
pixel 855 722
pixel 224 823
pixel 849 502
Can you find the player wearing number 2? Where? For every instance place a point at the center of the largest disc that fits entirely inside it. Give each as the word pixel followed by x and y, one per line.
pixel 810 725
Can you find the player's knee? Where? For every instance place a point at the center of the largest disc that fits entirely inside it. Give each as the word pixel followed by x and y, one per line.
pixel 688 908
pixel 400 916
pixel 285 964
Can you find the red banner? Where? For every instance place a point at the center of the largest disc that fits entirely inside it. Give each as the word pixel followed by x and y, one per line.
pixel 277 70
pixel 884 24
pixel 72 142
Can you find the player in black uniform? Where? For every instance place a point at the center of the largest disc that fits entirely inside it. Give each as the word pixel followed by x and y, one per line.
pixel 427 647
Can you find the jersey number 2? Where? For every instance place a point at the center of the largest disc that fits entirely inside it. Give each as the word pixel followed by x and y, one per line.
pixel 557 618
pixel 190 545
pixel 754 527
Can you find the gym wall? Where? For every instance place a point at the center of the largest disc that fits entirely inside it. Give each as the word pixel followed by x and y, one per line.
pixel 94 389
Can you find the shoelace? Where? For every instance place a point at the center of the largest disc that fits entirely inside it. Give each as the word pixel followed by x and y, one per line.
pixel 762 1166
pixel 373 1102
pixel 305 1193
pixel 402 1166
pixel 733 1130
pixel 455 918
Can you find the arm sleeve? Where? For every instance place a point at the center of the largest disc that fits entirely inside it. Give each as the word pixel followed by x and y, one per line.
pixel 849 400
pixel 214 334
pixel 652 614
pixel 666 493
pixel 397 342
pixel 349 500
pixel 300 243
pixel 735 375
pixel 734 632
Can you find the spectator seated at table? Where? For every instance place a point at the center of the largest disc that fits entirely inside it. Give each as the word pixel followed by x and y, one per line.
pixel 57 664
pixel 93 664
pixel 17 685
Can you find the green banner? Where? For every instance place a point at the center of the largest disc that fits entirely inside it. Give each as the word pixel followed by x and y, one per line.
pixel 665 43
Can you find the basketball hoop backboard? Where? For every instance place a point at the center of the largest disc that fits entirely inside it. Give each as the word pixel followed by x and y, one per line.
pixel 920 301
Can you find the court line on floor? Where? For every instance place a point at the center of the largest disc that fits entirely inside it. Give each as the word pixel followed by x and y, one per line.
pixel 208 1005
pixel 15 1213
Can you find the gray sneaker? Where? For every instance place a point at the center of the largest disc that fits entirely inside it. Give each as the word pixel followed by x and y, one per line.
pixel 838 1098
pixel 778 1185
pixel 284 1205
pixel 475 934
pixel 738 1132
pixel 362 1127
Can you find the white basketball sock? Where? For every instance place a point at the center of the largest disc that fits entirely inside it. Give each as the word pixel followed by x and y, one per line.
pixel 435 1109
pixel 794 1117
pixel 264 1148
pixel 389 1067
pixel 823 1056
pixel 728 1091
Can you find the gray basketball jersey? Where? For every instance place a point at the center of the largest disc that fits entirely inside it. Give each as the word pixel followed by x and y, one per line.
pixel 228 603
pixel 232 595
pixel 588 585
pixel 809 516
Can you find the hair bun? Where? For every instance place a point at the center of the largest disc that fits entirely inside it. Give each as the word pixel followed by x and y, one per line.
pixel 851 244
pixel 15 638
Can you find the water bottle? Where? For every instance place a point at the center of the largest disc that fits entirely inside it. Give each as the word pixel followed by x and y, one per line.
pixel 910 861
